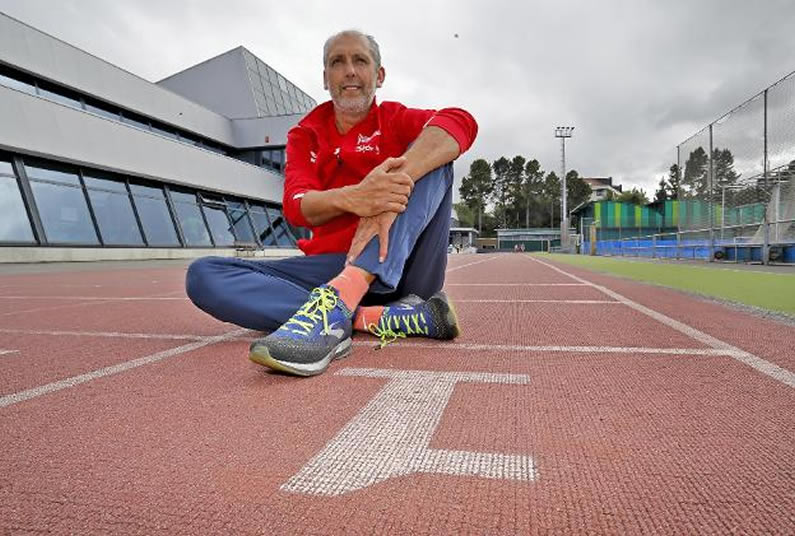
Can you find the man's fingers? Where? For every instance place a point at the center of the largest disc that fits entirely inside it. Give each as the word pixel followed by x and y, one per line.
pixel 392 162
pixel 383 240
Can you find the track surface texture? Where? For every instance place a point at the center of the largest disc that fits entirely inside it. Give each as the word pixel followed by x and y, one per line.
pixel 573 403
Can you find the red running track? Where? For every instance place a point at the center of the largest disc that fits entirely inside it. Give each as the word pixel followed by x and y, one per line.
pixel 125 410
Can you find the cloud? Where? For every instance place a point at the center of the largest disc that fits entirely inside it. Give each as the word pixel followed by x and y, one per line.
pixel 635 78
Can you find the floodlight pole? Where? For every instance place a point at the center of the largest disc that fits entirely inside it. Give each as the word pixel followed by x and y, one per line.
pixel 563 133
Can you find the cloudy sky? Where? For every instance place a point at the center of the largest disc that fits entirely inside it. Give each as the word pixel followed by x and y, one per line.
pixel 634 77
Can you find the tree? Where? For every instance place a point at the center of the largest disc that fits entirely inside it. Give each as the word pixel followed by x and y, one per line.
pixel 577 190
pixel 501 186
pixel 533 190
pixel 552 195
pixel 662 191
pixel 466 216
pixel 695 180
pixel 636 196
pixel 674 181
pixel 515 179
pixel 477 188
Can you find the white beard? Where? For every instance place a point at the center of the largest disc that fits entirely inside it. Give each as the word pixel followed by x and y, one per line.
pixel 354 104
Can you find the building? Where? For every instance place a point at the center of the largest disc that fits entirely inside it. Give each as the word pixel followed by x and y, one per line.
pixel 98 163
pixel 600 186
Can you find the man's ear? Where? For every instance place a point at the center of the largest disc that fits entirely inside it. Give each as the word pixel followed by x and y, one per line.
pixel 380 76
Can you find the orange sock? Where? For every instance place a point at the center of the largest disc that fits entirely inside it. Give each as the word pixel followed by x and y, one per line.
pixel 352 286
pixel 367 315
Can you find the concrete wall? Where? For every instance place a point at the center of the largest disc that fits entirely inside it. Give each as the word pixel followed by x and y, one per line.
pixel 34 125
pixel 221 84
pixel 260 131
pixel 43 55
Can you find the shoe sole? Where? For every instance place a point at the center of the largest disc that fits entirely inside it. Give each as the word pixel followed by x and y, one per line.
pixel 447 308
pixel 261 356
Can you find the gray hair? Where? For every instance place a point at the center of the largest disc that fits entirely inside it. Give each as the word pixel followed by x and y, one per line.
pixel 375 52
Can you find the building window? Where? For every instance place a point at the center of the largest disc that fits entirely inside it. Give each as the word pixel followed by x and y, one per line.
pixel 113 211
pixel 240 222
pixel 190 219
pixel 284 237
pixel 217 220
pixel 62 204
pixel 155 217
pixel 14 222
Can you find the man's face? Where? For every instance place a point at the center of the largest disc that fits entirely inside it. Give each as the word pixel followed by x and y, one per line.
pixel 351 75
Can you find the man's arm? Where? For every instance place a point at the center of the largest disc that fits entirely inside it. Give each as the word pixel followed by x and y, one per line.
pixel 384 189
pixel 434 147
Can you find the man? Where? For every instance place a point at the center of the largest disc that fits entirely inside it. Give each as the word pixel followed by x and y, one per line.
pixel 374 183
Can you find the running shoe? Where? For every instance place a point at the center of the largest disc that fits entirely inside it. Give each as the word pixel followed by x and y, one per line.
pixel 412 316
pixel 318 333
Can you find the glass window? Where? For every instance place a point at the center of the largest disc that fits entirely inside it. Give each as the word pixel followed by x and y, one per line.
pixel 151 191
pixel 64 213
pixel 54 95
pixel 116 219
pixel 164 131
pixel 156 220
pixel 13 83
pixel 14 223
pixel 190 219
pixel 6 167
pixel 219 226
pixel 262 227
pixel 135 120
pixel 98 108
pixel 283 235
pixel 240 223
pixel 52 172
pixel 94 179
pixel 182 197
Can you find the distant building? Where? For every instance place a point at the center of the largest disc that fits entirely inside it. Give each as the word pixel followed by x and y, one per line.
pixel 600 186
pixel 96 162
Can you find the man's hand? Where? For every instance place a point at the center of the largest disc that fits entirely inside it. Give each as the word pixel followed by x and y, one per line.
pixel 384 189
pixel 367 229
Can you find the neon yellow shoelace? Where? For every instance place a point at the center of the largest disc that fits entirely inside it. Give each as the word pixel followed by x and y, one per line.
pixel 404 324
pixel 322 301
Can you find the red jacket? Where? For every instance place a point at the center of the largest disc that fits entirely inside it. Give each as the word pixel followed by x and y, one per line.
pixel 320 158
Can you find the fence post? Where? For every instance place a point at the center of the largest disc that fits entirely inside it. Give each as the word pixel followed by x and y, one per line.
pixel 678 244
pixel 654 246
pixel 766 233
pixel 711 181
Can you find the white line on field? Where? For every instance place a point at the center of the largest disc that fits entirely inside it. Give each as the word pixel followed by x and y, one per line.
pixel 765 367
pixel 579 302
pixel 515 285
pixel 53 308
pixel 35 392
pixel 95 298
pixel 470 264
pixel 111 334
pixel 4 352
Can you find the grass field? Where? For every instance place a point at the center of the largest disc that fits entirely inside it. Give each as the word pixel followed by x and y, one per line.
pixel 772 291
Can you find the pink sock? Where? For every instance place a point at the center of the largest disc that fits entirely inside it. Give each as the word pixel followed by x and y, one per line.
pixel 366 316
pixel 351 285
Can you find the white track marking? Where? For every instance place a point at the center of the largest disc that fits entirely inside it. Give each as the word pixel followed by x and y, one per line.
pixel 581 302
pixel 401 346
pixel 111 334
pixel 390 437
pixel 4 352
pixel 95 298
pixel 765 367
pixel 453 346
pixel 35 392
pixel 516 285
pixel 53 308
pixel 470 264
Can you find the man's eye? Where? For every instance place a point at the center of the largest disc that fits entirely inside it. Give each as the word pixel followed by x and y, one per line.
pixel 335 61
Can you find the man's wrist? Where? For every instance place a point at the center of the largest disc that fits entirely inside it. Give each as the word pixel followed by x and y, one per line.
pixel 342 198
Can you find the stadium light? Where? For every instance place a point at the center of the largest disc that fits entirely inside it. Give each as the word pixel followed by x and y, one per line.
pixel 563 133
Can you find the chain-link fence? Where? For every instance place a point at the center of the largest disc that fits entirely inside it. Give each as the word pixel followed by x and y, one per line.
pixel 736 194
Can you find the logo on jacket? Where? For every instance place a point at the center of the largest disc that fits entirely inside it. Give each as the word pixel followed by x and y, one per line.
pixel 363 143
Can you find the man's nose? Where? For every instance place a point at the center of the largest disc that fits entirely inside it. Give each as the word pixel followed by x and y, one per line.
pixel 349 69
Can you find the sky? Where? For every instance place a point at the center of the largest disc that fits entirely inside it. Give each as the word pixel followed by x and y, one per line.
pixel 634 77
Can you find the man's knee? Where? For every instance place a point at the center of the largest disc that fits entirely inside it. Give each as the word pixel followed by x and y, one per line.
pixel 200 280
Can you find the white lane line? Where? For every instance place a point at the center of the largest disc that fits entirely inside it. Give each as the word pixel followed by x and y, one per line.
pixel 249 336
pixel 4 352
pixel 53 308
pixel 579 302
pixel 35 392
pixel 95 298
pixel 470 264
pixel 515 285
pixel 449 346
pixel 111 334
pixel 765 367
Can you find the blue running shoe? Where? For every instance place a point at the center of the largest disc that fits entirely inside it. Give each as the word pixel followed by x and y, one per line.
pixel 412 316
pixel 319 332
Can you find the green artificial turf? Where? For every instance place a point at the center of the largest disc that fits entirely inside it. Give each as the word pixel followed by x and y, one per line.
pixel 772 291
